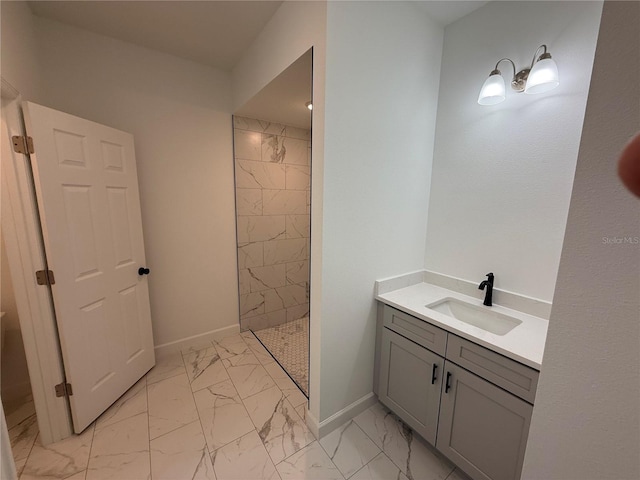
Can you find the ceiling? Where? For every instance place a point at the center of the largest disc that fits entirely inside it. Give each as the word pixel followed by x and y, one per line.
pixel 283 99
pixel 446 12
pixel 214 33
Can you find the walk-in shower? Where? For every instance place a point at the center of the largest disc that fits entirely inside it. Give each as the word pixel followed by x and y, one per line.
pixel 272 155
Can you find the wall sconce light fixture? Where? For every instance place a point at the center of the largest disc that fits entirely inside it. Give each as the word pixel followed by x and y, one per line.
pixel 540 77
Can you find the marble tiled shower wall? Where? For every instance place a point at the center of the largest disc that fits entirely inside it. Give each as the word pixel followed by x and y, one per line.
pixel 273 203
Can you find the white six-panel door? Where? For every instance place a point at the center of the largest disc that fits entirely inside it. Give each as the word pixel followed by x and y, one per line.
pixel 87 189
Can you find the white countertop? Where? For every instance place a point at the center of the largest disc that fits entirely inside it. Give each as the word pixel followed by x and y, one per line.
pixel 525 343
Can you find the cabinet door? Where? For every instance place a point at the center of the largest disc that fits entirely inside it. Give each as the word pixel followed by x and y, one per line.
pixel 410 383
pixel 482 428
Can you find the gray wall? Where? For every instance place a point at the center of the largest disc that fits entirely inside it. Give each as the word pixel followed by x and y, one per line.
pixel 14 377
pixel 383 70
pixel 20 56
pixel 21 69
pixel 179 113
pixel 502 174
pixel 586 420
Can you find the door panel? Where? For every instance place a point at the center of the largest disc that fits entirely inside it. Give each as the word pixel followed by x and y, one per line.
pixel 120 228
pixel 87 189
pixel 80 225
pixel 129 310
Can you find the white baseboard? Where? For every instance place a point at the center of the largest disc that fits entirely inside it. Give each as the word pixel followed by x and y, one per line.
pixel 195 341
pixel 320 429
pixel 312 423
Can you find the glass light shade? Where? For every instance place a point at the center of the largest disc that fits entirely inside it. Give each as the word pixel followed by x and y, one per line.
pixel 493 90
pixel 542 77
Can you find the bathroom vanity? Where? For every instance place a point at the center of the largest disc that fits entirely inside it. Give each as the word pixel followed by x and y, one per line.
pixel 467 385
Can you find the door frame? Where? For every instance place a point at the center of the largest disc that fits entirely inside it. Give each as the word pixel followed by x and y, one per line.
pixel 25 251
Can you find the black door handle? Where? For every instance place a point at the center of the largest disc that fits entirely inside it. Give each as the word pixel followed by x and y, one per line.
pixel 433 374
pixel 143 271
pixel 447 385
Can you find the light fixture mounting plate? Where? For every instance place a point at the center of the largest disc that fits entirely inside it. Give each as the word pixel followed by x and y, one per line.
pixel 520 80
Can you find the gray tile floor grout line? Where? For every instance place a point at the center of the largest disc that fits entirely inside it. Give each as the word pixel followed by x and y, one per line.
pixel 365 434
pixel 376 456
pixel 183 370
pixel 93 436
pixel 166 378
pixel 211 454
pixel 369 436
pixel 95 422
pixel 167 432
pixel 397 419
pixel 374 442
pixel 331 458
pixel 146 391
pixel 193 395
pixel 31 448
pixel 255 428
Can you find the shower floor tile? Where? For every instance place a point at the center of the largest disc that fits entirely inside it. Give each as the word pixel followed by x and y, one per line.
pixel 289 344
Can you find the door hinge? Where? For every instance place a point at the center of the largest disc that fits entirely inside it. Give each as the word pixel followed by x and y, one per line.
pixel 45 277
pixel 64 390
pixel 22 144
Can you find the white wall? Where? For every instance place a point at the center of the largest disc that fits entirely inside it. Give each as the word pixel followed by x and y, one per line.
pixel 383 68
pixel 586 420
pixel 7 297
pixel 370 193
pixel 20 68
pixel 293 29
pixel 20 58
pixel 14 376
pixel 502 174
pixel 179 114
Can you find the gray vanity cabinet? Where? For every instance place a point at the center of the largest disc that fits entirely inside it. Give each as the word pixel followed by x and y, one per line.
pixel 472 403
pixel 482 428
pixel 410 382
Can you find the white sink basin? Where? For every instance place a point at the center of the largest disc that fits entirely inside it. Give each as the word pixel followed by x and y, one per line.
pixel 481 317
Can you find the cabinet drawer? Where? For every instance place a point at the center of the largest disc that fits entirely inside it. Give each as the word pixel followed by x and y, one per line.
pixel 421 332
pixel 502 371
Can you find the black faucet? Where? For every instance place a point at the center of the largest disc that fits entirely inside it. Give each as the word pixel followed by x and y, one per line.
pixel 489 284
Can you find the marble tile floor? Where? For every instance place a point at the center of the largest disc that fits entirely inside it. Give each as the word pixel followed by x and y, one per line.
pixel 226 412
pixel 289 344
